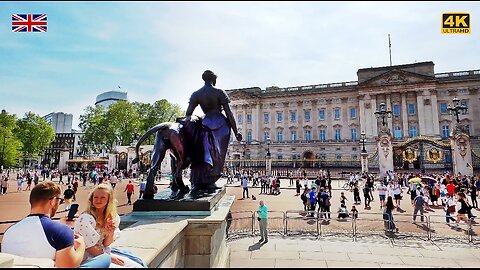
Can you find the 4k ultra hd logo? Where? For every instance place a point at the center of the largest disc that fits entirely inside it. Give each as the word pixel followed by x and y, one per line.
pixel 456 23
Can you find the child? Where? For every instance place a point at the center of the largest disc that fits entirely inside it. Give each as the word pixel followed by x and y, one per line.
pixel 354 212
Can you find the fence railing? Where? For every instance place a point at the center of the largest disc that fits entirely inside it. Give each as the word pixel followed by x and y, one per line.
pixel 317 224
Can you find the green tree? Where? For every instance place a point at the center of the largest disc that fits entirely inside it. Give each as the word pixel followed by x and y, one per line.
pixel 156 113
pixel 94 125
pixel 123 120
pixel 10 146
pixel 35 133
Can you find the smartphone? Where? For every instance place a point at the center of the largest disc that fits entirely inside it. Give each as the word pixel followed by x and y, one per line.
pixel 73 210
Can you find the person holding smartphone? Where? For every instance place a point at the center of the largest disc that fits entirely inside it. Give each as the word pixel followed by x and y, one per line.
pixel 99 225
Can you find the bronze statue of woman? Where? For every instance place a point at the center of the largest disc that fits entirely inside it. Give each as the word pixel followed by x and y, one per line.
pixel 211 147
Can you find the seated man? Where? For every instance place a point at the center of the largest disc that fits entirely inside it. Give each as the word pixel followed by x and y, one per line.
pixel 38 236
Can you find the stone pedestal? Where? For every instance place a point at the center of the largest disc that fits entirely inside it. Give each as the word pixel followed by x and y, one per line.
pixel 461 154
pixel 179 241
pixel 62 163
pixel 385 154
pixel 364 161
pixel 161 204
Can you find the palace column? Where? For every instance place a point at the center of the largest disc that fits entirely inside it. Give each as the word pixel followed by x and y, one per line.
pixel 256 122
pixel 421 114
pixel 404 115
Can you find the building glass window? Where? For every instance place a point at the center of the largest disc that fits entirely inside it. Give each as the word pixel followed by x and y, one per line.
pixel 397 132
pixel 322 115
pixel 337 114
pixel 411 109
pixel 279 136
pixel 396 109
pixel 240 119
pixel 294 135
pixel 353 132
pixel 353 113
pixel 293 117
pixel 443 108
pixel 266 134
pixel 445 131
pixel 465 103
pixel 412 131
pixel 308 136
pixel 249 118
pixel 279 116
pixel 307 116
pixel 266 118
pixel 280 157
pixel 338 134
pixel 323 137
pixel 339 157
pixel 249 136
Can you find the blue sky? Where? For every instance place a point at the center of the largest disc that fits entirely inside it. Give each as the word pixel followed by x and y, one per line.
pixel 156 50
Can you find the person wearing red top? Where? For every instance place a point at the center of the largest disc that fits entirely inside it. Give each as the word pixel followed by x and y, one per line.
pixel 130 190
pixel 451 188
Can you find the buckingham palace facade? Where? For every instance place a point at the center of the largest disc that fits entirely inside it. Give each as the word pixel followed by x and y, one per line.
pixel 324 121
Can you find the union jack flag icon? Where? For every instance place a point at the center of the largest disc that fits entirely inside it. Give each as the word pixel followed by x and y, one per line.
pixel 29 22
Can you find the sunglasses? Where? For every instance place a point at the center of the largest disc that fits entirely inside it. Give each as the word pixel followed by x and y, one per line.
pixel 58 198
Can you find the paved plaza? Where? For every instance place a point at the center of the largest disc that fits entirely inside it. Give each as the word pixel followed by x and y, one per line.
pixel 305 251
pixel 333 253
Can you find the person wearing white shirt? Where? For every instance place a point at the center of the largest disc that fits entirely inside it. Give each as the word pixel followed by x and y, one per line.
pixel 397 193
pixel 382 192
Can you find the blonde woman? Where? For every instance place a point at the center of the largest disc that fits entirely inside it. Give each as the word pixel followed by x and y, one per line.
pixel 99 225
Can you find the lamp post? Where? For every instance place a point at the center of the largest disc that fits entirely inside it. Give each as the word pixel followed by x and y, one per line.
pixel 268 146
pixel 363 139
pixel 268 163
pixel 383 113
pixel 3 151
pixel 457 109
pixel 364 154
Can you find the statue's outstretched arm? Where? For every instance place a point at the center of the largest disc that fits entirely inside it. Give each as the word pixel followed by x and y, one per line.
pixel 232 122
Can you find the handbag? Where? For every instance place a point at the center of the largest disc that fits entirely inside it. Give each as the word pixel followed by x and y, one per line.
pixel 451 209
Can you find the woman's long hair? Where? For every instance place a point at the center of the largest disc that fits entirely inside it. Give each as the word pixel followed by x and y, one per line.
pixel 111 208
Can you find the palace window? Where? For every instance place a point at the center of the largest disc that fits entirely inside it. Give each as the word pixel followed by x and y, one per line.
pixel 396 110
pixel 308 136
pixel 397 132
pixel 323 136
pixel 445 131
pixel 353 113
pixel 443 108
pixel 294 135
pixel 266 134
pixel 249 118
pixel 338 134
pixel 266 118
pixel 307 116
pixel 279 136
pixel 279 117
pixel 411 109
pixel 249 136
pixel 322 115
pixel 353 131
pixel 293 117
pixel 337 113
pixel 240 119
pixel 412 131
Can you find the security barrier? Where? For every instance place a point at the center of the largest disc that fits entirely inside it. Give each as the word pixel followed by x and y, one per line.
pixel 317 224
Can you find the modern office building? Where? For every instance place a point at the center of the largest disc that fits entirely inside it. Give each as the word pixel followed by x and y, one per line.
pixel 325 121
pixel 61 122
pixel 108 98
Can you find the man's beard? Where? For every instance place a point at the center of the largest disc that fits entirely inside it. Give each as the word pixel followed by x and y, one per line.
pixel 53 211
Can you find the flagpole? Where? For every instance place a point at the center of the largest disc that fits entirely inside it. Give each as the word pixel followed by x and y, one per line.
pixel 390 49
